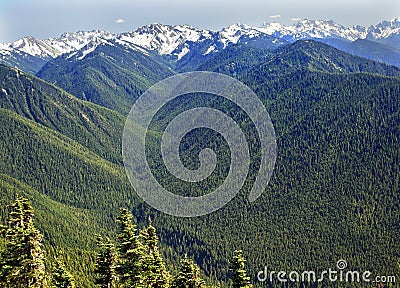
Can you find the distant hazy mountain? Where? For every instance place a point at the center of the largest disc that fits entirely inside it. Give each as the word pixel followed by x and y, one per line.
pixel 368 49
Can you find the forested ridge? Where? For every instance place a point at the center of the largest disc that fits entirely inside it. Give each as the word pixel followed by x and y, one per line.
pixel 132 260
pixel 111 76
pixel 334 193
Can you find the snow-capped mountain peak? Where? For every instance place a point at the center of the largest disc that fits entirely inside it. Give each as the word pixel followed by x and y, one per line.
pixel 34 47
pixel 233 33
pixel 310 29
pixel 68 42
pixel 53 47
pixel 89 47
pixel 164 38
pixel 272 28
pixel 385 29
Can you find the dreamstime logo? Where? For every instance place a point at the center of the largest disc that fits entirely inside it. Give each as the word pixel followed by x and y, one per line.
pixel 332 275
pixel 147 106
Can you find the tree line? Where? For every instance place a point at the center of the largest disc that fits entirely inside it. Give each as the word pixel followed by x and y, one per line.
pixel 132 260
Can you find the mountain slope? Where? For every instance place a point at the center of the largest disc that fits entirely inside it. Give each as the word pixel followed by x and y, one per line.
pixel 237 59
pixel 22 60
pixel 106 73
pixel 89 125
pixel 367 49
pixel 307 54
pixel 335 119
pixel 58 165
pixel 62 153
pixel 334 190
pixel 321 57
pixel 30 54
pixel 197 54
pixel 50 170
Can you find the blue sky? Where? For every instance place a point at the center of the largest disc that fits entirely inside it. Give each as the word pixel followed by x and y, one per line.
pixel 50 18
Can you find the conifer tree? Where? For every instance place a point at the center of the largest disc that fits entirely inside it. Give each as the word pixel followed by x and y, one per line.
pixel 60 277
pixel 105 263
pixel 188 276
pixel 22 260
pixel 239 278
pixel 130 251
pixel 154 272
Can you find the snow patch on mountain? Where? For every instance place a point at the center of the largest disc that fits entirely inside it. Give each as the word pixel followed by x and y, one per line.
pixel 211 49
pixel 183 52
pixel 89 48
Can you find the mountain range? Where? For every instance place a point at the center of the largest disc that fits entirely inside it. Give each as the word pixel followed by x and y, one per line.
pixel 334 193
pixel 180 42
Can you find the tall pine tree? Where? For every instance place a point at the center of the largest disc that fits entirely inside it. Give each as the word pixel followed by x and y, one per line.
pixel 22 260
pixel 130 251
pixel 106 262
pixel 239 278
pixel 188 276
pixel 154 272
